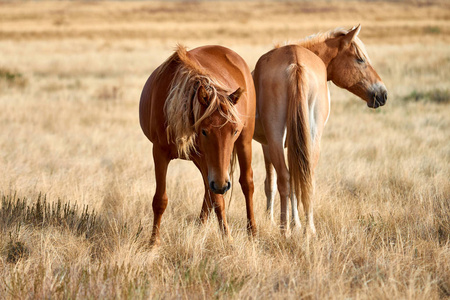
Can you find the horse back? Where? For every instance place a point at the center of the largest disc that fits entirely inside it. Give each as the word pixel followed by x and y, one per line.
pixel 272 67
pixel 272 79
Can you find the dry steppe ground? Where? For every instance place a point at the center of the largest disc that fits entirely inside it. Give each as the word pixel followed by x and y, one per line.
pixel 76 172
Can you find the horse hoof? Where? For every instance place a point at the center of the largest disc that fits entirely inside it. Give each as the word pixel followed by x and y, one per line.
pixel 311 231
pixel 154 243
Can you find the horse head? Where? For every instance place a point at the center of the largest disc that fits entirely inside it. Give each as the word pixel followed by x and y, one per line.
pixel 216 131
pixel 351 69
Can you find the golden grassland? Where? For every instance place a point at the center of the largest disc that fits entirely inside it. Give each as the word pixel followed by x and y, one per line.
pixel 71 74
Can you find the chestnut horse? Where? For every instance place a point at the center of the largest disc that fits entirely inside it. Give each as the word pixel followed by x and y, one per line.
pixel 200 105
pixel 293 107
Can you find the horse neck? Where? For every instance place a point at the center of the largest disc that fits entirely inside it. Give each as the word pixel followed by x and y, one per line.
pixel 327 51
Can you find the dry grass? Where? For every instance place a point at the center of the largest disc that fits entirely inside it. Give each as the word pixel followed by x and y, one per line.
pixel 70 79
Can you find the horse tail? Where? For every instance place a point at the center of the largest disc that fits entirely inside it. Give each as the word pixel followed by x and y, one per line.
pixel 298 135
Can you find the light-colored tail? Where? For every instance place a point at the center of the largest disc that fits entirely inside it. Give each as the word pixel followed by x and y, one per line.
pixel 298 136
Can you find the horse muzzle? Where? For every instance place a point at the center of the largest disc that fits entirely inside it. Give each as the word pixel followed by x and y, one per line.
pixel 378 97
pixel 219 189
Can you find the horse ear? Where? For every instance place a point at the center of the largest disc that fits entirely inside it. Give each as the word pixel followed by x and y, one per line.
pixel 234 97
pixel 202 96
pixel 351 35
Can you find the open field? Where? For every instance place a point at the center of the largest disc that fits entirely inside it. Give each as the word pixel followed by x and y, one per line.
pixel 71 74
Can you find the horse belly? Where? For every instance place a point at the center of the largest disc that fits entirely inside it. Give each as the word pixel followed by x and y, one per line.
pixel 318 116
pixel 312 120
pixel 258 134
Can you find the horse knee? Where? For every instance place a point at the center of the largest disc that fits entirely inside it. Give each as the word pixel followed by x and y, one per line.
pixel 246 183
pixel 159 204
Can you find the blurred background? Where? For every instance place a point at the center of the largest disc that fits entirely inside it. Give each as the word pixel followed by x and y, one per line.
pixel 71 74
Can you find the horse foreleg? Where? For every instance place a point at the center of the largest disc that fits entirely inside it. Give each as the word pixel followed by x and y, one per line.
pixel 270 184
pixel 206 206
pixel 219 208
pixel 212 201
pixel 207 201
pixel 160 198
pixel 244 153
pixel 216 202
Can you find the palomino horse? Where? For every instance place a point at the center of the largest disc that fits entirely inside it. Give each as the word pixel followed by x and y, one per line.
pixel 293 107
pixel 200 105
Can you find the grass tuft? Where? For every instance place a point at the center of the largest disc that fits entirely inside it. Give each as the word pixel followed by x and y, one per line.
pixel 15 211
pixel 109 93
pixel 435 96
pixel 442 220
pixel 432 30
pixel 12 78
pixel 15 250
pixel 101 232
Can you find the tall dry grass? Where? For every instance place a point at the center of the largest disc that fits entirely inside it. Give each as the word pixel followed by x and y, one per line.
pixel 70 79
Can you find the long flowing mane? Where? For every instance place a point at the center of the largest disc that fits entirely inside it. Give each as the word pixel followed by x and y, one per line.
pixel 182 108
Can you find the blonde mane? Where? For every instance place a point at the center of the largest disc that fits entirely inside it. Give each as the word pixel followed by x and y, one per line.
pixel 182 108
pixel 321 37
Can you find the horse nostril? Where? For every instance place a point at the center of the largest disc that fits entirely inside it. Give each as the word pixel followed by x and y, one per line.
pixel 228 186
pixel 211 185
pixel 385 96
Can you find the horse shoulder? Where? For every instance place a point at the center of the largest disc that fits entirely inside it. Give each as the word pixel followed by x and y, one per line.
pixel 151 106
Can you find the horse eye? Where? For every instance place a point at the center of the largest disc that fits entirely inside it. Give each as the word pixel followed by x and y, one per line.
pixel 360 60
pixel 235 132
pixel 204 132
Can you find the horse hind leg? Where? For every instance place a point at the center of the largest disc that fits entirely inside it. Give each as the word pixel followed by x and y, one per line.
pixel 308 207
pixel 307 200
pixel 270 184
pixel 294 204
pixel 277 157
